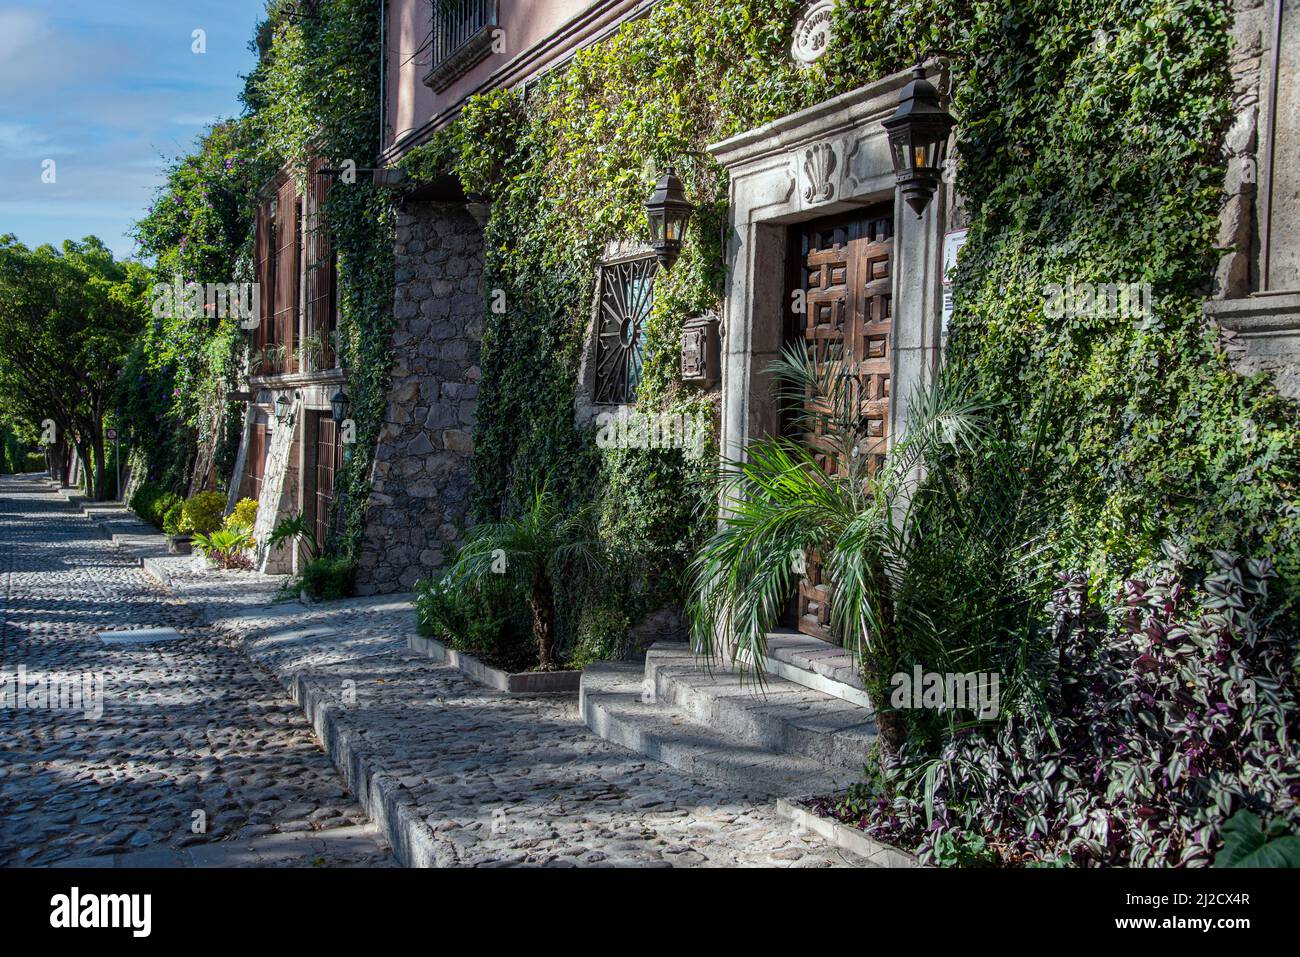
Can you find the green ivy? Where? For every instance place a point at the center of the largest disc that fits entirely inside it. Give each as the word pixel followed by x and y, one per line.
pixel 1089 148
pixel 316 87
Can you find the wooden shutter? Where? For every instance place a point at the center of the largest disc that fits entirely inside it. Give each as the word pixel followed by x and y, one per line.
pixel 264 273
pixel 320 268
pixel 328 459
pixel 287 262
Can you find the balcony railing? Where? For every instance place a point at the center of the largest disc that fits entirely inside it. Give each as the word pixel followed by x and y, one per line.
pixel 462 36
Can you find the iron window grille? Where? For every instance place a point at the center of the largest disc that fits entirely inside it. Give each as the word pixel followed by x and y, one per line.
pixel 626 295
pixel 462 35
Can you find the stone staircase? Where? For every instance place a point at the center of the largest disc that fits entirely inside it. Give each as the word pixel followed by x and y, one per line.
pixel 788 735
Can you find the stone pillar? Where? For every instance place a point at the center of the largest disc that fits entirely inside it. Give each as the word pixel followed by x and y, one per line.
pixel 1257 288
pixel 1280 217
pixel 279 495
pixel 420 480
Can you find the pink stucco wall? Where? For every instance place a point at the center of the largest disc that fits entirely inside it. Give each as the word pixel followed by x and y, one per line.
pixel 537 34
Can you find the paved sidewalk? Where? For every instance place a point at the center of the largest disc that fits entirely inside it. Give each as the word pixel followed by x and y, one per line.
pixel 463 775
pixel 456 774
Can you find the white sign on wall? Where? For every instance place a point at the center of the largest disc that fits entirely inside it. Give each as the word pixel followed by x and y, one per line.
pixel 952 243
pixel 813 31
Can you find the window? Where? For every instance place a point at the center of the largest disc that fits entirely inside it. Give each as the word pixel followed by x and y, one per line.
pixel 462 35
pixel 626 294
pixel 288 245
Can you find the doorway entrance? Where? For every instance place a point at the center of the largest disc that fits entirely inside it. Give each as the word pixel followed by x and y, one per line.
pixel 844 268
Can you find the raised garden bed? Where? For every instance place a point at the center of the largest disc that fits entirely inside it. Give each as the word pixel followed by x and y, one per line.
pixel 806 813
pixel 518 682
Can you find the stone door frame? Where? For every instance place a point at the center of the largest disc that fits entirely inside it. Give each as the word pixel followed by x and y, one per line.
pixel 830 158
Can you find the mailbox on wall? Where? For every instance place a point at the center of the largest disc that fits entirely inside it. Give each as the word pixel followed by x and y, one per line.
pixel 701 361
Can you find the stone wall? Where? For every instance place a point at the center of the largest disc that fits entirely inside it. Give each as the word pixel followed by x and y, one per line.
pixel 420 480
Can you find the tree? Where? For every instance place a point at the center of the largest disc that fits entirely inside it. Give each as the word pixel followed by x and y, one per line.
pixel 873 529
pixel 67 321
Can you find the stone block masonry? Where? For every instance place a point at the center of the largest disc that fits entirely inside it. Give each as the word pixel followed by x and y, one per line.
pixel 420 481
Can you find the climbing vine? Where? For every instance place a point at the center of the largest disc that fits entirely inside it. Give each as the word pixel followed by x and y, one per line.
pixel 1089 149
pixel 317 87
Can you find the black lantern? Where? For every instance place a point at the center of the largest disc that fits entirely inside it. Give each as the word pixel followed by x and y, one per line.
pixel 918 140
pixel 668 210
pixel 282 407
pixel 339 403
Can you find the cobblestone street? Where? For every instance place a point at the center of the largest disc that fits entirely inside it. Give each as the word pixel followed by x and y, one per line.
pixel 196 725
pixel 190 726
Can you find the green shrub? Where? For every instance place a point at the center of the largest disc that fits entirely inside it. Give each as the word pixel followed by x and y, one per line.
pixel 34 462
pixel 327 579
pixel 171 523
pixel 244 516
pixel 462 618
pixel 152 502
pixel 292 528
pixel 601 633
pixel 203 513
pixel 1171 707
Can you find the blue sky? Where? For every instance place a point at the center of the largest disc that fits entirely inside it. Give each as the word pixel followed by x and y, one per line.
pixel 110 92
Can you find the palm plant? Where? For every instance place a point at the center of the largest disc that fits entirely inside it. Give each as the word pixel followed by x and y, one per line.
pixel 837 501
pixel 294 528
pixel 528 554
pixel 226 547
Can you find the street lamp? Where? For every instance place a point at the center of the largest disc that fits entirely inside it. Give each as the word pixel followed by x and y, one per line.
pixel 668 211
pixel 339 403
pixel 282 407
pixel 918 140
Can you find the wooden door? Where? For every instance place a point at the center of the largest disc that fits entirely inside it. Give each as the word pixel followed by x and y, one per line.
pixel 843 266
pixel 255 461
pixel 326 464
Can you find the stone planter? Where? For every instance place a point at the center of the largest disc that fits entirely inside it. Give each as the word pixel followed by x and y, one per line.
pixel 852 839
pixel 180 544
pixel 526 682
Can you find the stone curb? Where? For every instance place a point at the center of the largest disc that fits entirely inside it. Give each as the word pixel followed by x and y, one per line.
pixel 390 807
pixel 528 682
pixel 842 835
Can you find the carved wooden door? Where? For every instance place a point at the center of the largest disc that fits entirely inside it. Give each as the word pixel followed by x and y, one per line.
pixel 843 267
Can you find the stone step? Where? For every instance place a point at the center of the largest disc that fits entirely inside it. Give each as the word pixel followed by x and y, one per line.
pixel 766 711
pixel 815 664
pixel 613 703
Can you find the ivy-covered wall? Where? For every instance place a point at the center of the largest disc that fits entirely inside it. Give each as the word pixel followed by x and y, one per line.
pixel 1090 149
pixel 316 92
pixel 313 92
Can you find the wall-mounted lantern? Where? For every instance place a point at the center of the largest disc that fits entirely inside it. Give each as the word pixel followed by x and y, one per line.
pixel 282 407
pixel 668 211
pixel 339 403
pixel 918 140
